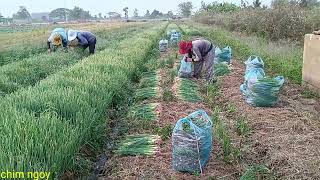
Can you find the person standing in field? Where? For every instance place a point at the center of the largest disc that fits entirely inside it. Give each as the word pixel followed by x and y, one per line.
pixel 199 51
pixel 83 39
pixel 57 38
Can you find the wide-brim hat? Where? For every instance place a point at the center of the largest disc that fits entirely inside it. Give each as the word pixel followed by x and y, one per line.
pixel 57 41
pixel 72 34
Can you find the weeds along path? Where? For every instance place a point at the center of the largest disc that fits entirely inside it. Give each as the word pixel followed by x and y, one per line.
pixel 52 126
pixel 20 45
pixel 285 139
pixel 30 71
pixel 144 152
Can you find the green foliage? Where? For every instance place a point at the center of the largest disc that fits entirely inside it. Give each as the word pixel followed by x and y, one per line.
pixel 257 172
pixel 23 13
pixel 231 108
pixel 212 92
pixel 242 127
pixel 222 7
pixel 167 95
pixel 185 8
pixel 142 144
pixel 230 153
pixel 59 14
pixel 19 53
pixel 78 13
pixel 283 22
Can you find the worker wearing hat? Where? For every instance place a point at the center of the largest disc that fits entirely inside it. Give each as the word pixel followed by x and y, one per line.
pixel 57 38
pixel 199 51
pixel 83 39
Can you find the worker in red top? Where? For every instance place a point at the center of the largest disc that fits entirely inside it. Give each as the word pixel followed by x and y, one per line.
pixel 199 51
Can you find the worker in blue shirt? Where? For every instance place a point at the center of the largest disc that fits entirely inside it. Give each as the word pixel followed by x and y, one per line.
pixel 84 39
pixel 57 38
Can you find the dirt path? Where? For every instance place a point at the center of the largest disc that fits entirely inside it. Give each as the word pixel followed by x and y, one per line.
pixel 158 166
pixel 285 138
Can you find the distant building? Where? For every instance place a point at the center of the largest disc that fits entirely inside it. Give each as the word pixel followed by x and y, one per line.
pixel 42 16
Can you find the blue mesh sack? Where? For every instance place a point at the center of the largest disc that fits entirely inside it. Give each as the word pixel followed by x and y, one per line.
pixel 175 37
pixel 259 90
pixel 266 91
pixel 225 55
pixel 192 142
pixel 254 62
pixel 163 45
pixel 185 70
pixel 217 52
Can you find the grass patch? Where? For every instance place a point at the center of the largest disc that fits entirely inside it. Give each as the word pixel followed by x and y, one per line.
pixel 309 94
pixel 242 127
pixel 231 108
pixel 257 172
pixel 142 144
pixel 230 153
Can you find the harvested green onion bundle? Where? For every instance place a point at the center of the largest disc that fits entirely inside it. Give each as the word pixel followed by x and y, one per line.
pixel 142 144
pixel 221 69
pixel 146 93
pixel 189 91
pixel 144 112
pixel 149 80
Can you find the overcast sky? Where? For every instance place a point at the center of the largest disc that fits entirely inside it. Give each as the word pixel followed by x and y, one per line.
pixel 8 7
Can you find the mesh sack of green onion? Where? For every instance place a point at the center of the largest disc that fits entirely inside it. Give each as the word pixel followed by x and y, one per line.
pixel 192 142
pixel 259 90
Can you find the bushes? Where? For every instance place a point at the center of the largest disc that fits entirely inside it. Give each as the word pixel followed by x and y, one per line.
pixel 286 22
pixel 44 127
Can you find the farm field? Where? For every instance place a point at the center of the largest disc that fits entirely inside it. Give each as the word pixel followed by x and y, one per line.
pixel 110 115
pixel 20 45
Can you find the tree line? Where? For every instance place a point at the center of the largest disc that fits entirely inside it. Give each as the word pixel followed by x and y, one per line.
pixel 77 13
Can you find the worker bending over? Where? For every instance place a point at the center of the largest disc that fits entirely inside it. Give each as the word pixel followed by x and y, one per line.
pixel 83 39
pixel 57 38
pixel 199 51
